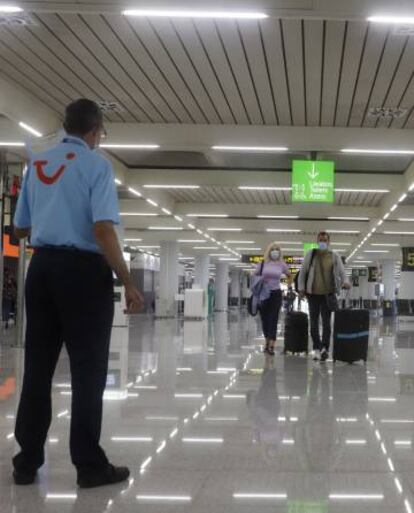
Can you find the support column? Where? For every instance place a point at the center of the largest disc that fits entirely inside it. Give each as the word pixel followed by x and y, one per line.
pixel 166 305
pixel 235 287
pixel 222 291
pixel 201 271
pixel 406 295
pixel 389 281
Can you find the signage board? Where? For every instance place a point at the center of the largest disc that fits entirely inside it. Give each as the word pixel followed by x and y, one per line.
pixel 408 259
pixel 313 181
pixel 372 274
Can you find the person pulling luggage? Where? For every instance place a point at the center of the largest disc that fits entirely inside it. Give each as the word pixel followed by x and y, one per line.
pixel 271 271
pixel 321 278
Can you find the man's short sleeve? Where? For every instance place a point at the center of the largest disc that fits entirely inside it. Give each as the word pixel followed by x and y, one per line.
pixel 104 199
pixel 22 217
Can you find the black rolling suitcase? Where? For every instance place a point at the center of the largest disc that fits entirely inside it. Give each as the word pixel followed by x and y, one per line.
pixel 296 332
pixel 351 334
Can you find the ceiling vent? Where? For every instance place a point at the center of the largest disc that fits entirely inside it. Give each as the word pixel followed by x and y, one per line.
pixel 16 20
pixel 108 106
pixel 387 113
pixel 404 30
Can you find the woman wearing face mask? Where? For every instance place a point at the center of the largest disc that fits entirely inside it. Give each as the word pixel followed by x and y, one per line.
pixel 271 271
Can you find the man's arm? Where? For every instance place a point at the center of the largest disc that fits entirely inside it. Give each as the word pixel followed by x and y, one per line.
pixel 344 278
pixel 107 240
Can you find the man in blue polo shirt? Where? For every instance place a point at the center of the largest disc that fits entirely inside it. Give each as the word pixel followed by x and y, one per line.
pixel 68 208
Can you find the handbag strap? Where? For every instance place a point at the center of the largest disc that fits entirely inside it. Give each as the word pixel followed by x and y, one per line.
pixel 261 268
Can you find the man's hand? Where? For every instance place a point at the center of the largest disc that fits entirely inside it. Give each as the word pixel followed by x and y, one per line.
pixel 134 300
pixel 346 286
pixel 302 294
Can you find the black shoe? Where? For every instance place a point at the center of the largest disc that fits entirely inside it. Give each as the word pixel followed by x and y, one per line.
pixel 24 478
pixel 106 476
pixel 324 355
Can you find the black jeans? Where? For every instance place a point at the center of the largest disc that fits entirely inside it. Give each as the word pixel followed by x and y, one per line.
pixel 318 306
pixel 69 299
pixel 269 312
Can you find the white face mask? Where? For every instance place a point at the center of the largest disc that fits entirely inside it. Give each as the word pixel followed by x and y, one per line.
pixel 275 254
pixel 323 246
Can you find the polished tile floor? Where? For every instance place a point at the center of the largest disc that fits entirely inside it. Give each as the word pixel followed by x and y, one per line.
pixel 208 424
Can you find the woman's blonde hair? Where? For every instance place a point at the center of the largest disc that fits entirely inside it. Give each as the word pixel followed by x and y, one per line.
pixel 270 247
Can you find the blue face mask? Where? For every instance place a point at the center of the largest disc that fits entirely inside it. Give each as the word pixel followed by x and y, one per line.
pixel 275 254
pixel 323 246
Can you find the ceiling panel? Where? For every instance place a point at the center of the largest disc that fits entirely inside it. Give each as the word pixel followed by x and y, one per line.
pixel 314 38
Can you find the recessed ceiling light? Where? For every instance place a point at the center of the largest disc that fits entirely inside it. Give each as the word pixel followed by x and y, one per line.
pixel 248 249
pixel 219 254
pixel 277 230
pixel 173 13
pixel 118 146
pixel 171 186
pixel 138 214
pixel 132 240
pixel 343 218
pixel 195 241
pixel 134 191
pixel 224 229
pixel 117 181
pixel 240 242
pixel 152 202
pixel 229 259
pixel 263 188
pixel 377 152
pixel 12 144
pixel 178 218
pixel 191 226
pixel 376 251
pixel 402 198
pixel 392 20
pixel 164 498
pixel 148 247
pixel 10 9
pixel 205 247
pixel 267 149
pixel 277 217
pixel 399 233
pixel 341 244
pixel 207 215
pixel 350 232
pixel 374 191
pixel 385 245
pixel 30 129
pixel 269 496
pixel 172 228
pixel 166 211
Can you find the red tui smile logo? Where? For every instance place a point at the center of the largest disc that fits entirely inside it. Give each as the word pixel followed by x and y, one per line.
pixel 50 180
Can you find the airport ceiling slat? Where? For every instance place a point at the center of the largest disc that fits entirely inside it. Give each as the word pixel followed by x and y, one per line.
pixel 354 45
pixel 401 92
pixel 230 37
pixel 153 101
pixel 390 63
pixel 194 46
pixel 371 60
pixel 293 46
pixel 168 35
pixel 27 78
pixel 314 30
pixel 147 32
pixel 335 36
pixel 274 47
pixel 150 67
pixel 212 42
pixel 139 105
pixel 252 40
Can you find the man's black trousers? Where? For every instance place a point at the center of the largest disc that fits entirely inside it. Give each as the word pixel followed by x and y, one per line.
pixel 69 300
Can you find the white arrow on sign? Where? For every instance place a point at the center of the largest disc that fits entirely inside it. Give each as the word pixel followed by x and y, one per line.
pixel 313 174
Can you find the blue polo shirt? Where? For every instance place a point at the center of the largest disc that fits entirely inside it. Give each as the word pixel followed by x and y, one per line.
pixel 65 190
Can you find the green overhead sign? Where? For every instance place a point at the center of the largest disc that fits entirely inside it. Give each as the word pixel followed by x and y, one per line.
pixel 308 246
pixel 313 181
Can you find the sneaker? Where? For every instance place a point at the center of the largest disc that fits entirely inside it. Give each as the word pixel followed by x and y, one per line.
pixel 107 476
pixel 316 355
pixel 324 355
pixel 24 478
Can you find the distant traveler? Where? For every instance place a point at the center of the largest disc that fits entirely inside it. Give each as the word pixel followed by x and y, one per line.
pixel 271 271
pixel 68 208
pixel 321 278
pixel 9 297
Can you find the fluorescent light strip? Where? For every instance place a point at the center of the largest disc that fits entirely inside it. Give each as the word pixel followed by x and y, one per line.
pixel 259 496
pixel 131 439
pixel 191 241
pixel 385 244
pixel 280 230
pixel 205 247
pixel 134 191
pixel 203 440
pixel 116 146
pixel 351 496
pixel 188 396
pixel 376 251
pixel 132 240
pixel 398 233
pixel 240 242
pixel 392 20
pixel 261 188
pixel 224 229
pixel 277 217
pixel 208 215
pixel 378 152
pixel 166 211
pixel 266 149
pixel 339 218
pixel 30 129
pixel 117 181
pixel 166 228
pixel 248 249
pixel 171 186
pixel 10 9
pixel 164 498
pixel 406 219
pixel 160 13
pixel 61 496
pixel 374 191
pixel 12 144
